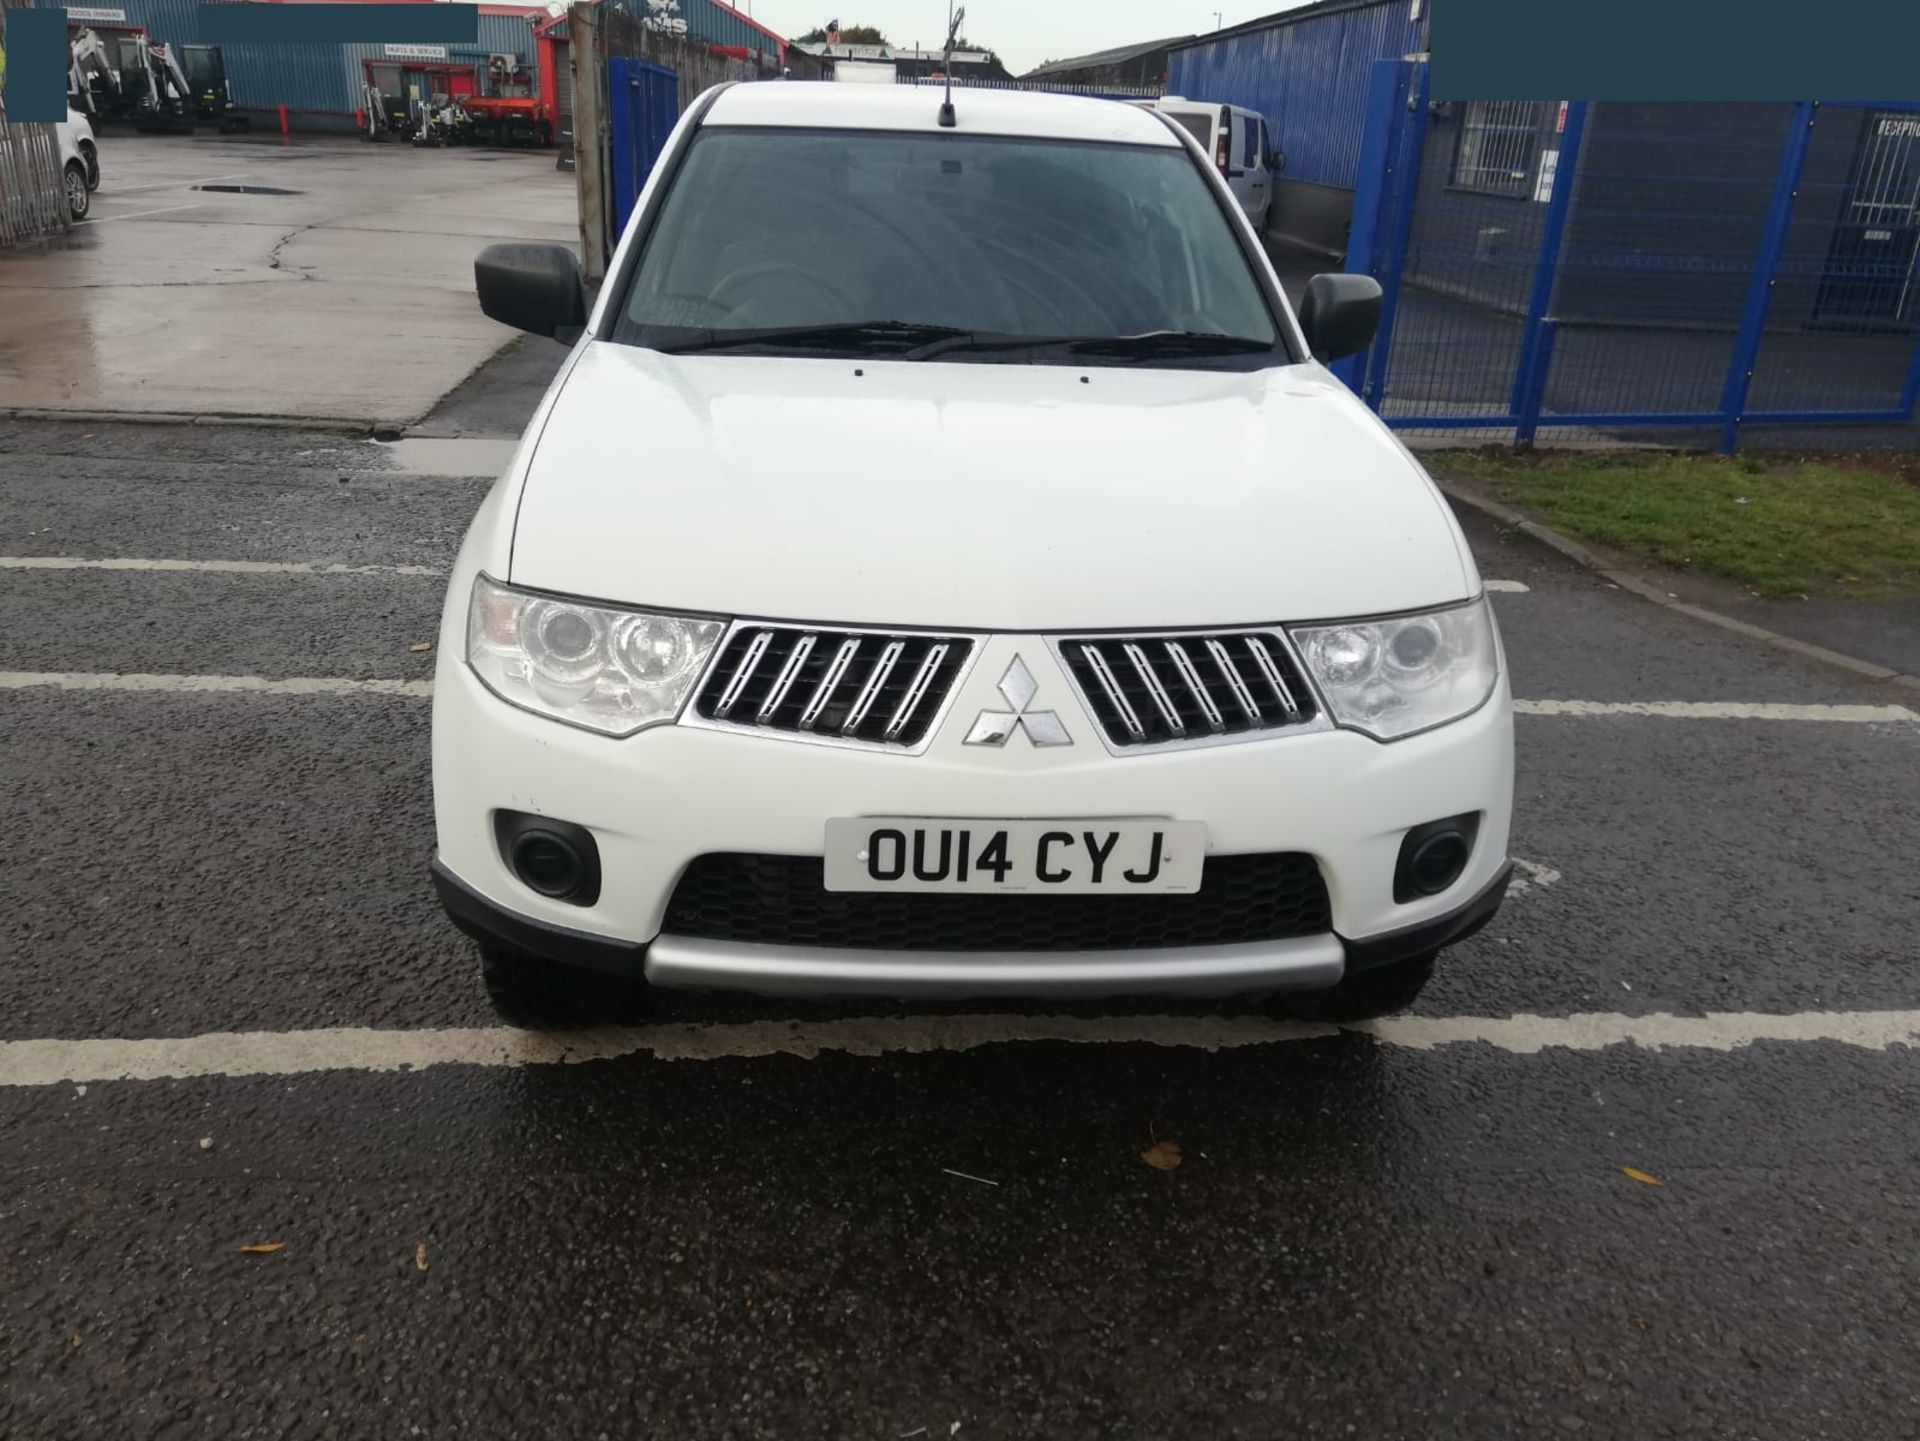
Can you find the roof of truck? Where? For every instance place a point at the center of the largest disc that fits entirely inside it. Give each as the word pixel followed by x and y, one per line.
pixel 814 103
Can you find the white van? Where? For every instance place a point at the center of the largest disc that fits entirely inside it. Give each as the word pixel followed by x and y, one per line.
pixel 79 163
pixel 1235 139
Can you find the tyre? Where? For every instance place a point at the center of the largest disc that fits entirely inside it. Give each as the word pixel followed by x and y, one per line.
pixel 91 154
pixel 1379 991
pixel 79 198
pixel 539 995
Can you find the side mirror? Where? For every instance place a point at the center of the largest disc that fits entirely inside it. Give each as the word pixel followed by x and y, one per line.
pixel 535 288
pixel 1340 313
pixel 1276 161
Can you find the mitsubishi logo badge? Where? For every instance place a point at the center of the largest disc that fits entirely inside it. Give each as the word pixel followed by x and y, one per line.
pixel 996 727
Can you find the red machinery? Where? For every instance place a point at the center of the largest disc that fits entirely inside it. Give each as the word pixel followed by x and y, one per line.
pixel 508 119
pixel 509 113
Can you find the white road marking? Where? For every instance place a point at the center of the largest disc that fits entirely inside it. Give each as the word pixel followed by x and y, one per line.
pixel 1718 710
pixel 294 1053
pixel 1506 587
pixel 203 684
pixel 965 1177
pixel 327 685
pixel 1530 875
pixel 137 215
pixel 220 567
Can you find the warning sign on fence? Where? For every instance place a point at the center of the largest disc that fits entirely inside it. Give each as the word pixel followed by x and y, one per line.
pixel 1543 184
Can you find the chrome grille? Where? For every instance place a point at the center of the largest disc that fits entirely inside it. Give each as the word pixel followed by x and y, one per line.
pixel 1186 689
pixel 881 688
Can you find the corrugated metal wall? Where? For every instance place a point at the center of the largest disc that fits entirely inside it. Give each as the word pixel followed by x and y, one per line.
pixel 724 25
pixel 1307 72
pixel 313 79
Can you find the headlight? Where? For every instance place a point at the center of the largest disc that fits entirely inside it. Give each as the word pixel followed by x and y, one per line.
pixel 1408 673
pixel 616 671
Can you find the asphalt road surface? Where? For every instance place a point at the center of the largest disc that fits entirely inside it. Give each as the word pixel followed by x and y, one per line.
pixel 231 1016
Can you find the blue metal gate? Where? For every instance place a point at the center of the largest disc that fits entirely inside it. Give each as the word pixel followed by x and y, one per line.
pixel 643 104
pixel 1615 265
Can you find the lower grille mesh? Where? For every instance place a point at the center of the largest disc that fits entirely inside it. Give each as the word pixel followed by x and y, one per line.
pixel 782 900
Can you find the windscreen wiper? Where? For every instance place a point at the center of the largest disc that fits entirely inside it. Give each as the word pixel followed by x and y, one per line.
pixel 1154 343
pixel 855 333
pixel 1145 345
pixel 982 340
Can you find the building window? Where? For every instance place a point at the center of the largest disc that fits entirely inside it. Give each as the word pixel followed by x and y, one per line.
pixel 1498 141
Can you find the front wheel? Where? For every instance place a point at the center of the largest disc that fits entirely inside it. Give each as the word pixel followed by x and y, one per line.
pixel 79 198
pixel 540 995
pixel 1378 991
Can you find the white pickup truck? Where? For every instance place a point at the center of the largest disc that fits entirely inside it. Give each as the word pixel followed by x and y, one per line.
pixel 946 567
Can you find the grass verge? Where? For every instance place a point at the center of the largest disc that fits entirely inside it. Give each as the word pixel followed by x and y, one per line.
pixel 1832 526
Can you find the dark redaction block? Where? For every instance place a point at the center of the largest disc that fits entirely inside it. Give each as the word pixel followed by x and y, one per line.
pixel 338 24
pixel 36 43
pixel 1730 50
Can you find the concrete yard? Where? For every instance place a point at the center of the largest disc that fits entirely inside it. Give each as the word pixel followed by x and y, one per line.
pixel 349 298
pixel 232 1016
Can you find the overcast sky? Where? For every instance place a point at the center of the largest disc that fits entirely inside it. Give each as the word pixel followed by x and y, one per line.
pixel 1025 32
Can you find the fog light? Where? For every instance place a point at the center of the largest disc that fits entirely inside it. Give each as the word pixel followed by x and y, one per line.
pixel 1433 856
pixel 547 863
pixel 557 859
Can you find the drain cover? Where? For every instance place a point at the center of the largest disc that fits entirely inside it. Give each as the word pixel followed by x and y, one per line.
pixel 250 189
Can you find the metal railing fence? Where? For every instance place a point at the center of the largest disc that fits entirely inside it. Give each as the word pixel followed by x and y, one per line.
pixel 33 197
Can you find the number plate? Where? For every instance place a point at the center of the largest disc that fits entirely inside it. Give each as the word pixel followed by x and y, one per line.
pixel 1130 857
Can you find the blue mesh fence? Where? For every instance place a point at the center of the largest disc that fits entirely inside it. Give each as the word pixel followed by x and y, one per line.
pixel 1840 327
pixel 1617 265
pixel 1664 222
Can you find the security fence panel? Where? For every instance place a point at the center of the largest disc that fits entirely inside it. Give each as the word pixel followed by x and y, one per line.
pixel 1667 213
pixel 1840 333
pixel 1445 218
pixel 1612 266
pixel 1473 246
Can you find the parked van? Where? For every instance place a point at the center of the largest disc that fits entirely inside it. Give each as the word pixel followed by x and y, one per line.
pixel 79 163
pixel 1235 138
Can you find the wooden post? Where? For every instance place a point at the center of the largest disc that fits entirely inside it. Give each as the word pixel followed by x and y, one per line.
pixel 587 56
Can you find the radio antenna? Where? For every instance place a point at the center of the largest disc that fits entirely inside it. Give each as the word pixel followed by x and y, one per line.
pixel 954 17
